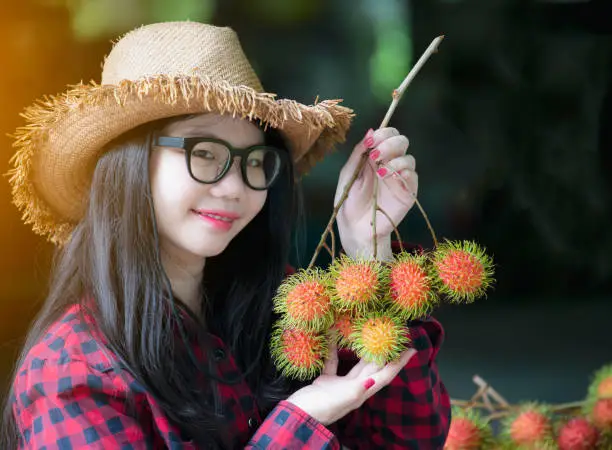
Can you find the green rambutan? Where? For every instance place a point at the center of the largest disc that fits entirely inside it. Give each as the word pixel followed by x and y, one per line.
pixel 530 428
pixel 468 431
pixel 305 301
pixel 379 337
pixel 297 353
pixel 461 270
pixel 577 434
pixel 411 294
pixel 356 284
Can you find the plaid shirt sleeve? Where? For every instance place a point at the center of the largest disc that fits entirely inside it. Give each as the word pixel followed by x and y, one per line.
pixel 70 405
pixel 287 427
pixel 413 411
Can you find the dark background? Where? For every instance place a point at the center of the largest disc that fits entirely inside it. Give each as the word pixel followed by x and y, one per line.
pixel 509 123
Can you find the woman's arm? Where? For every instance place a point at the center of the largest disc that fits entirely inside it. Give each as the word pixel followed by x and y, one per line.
pixel 70 405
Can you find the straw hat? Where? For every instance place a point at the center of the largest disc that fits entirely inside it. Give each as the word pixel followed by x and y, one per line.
pixel 156 71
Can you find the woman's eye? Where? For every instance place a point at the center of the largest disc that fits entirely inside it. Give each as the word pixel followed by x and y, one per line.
pixel 254 162
pixel 203 154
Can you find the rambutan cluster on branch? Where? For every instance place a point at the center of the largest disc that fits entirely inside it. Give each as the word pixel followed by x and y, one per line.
pixel 488 421
pixel 366 306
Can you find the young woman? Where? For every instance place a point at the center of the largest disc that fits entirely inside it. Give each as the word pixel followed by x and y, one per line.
pixel 170 190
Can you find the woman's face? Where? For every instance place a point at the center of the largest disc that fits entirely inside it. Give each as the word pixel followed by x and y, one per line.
pixel 198 220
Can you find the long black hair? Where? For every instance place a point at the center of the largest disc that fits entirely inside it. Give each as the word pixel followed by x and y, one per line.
pixel 113 259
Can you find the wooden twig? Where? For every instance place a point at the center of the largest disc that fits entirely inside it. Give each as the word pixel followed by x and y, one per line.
pixel 333 243
pixel 326 247
pixel 395 230
pixel 343 198
pixel 492 392
pixel 416 201
pixel 397 94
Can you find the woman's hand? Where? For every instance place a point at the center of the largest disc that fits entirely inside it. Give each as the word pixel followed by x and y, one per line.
pixel 388 161
pixel 331 397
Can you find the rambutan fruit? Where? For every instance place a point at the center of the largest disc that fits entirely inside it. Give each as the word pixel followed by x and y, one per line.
pixel 601 414
pixel 297 353
pixel 598 404
pixel 530 428
pixel 379 337
pixel 411 295
pixel 461 270
pixel 305 301
pixel 468 431
pixel 356 284
pixel 577 434
pixel 343 328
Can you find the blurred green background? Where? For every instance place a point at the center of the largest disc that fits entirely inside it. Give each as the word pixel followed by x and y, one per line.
pixel 510 124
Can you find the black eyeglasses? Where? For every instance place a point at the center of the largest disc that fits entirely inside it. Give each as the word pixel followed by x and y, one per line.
pixel 209 159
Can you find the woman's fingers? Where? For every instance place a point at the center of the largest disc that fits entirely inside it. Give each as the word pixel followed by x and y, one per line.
pixel 331 363
pixel 391 148
pixel 378 380
pixel 363 368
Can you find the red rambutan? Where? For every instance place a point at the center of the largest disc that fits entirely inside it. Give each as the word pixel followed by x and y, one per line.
pixel 356 284
pixel 530 428
pixel 297 353
pixel 344 327
pixel 461 270
pixel 410 289
pixel 467 431
pixel 577 434
pixel 602 414
pixel 305 301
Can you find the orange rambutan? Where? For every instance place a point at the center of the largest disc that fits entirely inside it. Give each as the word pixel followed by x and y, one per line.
pixel 577 434
pixel 297 353
pixel 467 431
pixel 356 284
pixel 411 294
pixel 305 301
pixel 530 428
pixel 461 270
pixel 379 337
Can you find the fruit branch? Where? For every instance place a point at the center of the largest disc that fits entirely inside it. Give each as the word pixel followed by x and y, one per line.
pixel 397 94
pixel 395 230
pixel 503 408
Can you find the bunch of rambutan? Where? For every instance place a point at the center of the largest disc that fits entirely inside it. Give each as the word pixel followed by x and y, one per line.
pixel 536 426
pixel 366 306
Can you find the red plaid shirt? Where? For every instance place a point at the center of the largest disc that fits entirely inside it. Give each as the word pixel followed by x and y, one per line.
pixel 69 396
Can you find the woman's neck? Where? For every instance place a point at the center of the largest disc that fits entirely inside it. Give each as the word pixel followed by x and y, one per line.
pixel 185 275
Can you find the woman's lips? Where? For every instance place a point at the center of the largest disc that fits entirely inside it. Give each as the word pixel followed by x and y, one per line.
pixel 221 220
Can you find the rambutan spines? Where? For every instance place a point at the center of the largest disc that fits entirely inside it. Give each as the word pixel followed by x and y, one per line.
pixel 410 291
pixel 468 431
pixel 530 428
pixel 380 338
pixel 577 434
pixel 304 300
pixel 356 284
pixel 461 270
pixel 298 354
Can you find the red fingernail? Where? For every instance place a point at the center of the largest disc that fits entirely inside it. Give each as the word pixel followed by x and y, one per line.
pixel 369 139
pixel 374 155
pixel 368 383
pixel 381 172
